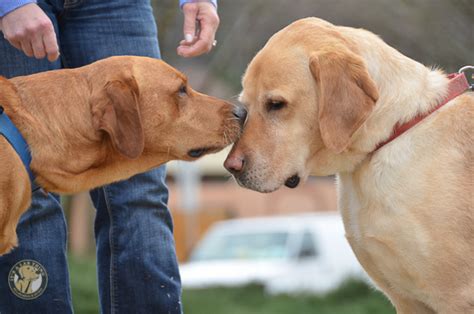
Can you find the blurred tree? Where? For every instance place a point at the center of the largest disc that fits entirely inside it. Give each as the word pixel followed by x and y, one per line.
pixel 434 32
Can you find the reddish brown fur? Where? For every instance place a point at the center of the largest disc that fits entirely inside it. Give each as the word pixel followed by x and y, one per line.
pixel 102 123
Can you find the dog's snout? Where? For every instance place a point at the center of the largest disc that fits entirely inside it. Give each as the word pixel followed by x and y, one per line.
pixel 235 163
pixel 240 113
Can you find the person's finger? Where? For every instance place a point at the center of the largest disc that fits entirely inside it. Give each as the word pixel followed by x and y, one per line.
pixel 190 11
pixel 26 48
pixel 38 47
pixel 185 43
pixel 51 45
pixel 15 44
pixel 202 45
pixel 193 51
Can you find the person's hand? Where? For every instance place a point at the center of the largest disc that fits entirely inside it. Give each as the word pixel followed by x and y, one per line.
pixel 30 30
pixel 201 40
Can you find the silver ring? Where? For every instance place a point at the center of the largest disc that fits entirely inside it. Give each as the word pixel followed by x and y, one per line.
pixel 465 68
pixel 214 43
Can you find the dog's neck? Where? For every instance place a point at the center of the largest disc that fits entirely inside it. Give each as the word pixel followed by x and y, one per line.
pixel 418 90
pixel 9 98
pixel 406 89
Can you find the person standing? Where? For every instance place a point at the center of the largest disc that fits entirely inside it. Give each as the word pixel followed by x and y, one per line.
pixel 136 259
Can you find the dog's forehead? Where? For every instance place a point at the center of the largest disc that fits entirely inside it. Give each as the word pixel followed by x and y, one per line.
pixel 274 76
pixel 156 70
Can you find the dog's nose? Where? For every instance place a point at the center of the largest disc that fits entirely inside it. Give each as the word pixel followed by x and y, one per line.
pixel 240 113
pixel 235 163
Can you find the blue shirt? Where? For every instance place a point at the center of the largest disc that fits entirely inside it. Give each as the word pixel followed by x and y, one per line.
pixel 6 6
pixel 183 2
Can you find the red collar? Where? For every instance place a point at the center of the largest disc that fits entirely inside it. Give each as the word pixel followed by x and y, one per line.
pixel 457 85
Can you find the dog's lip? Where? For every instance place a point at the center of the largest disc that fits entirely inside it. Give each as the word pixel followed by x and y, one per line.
pixel 254 188
pixel 201 151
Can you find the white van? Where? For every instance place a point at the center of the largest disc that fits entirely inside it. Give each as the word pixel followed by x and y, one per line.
pixel 286 254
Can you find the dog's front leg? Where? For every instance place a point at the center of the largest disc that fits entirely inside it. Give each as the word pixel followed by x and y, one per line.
pixel 15 195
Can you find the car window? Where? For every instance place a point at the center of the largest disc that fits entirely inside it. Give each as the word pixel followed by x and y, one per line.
pixel 243 246
pixel 308 247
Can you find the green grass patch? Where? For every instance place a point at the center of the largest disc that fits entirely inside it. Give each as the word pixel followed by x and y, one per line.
pixel 83 277
pixel 353 297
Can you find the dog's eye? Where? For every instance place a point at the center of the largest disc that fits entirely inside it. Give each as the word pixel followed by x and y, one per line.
pixel 183 90
pixel 274 105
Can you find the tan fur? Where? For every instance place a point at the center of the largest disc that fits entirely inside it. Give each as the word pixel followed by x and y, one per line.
pixel 408 208
pixel 101 123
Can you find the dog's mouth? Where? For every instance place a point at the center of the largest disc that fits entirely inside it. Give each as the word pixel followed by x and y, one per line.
pixel 246 182
pixel 199 152
pixel 293 181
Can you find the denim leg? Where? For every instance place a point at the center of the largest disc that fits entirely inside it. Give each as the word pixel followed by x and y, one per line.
pixel 34 276
pixel 42 239
pixel 136 258
pixel 95 29
pixel 137 269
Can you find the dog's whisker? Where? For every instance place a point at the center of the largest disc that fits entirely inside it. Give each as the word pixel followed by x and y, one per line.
pixel 226 138
pixel 224 134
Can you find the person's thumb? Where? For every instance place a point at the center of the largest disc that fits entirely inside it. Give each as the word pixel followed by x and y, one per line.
pixel 190 11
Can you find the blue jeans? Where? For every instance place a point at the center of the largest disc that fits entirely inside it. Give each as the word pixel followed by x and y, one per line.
pixel 136 259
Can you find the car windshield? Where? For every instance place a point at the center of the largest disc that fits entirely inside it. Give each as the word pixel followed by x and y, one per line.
pixel 243 246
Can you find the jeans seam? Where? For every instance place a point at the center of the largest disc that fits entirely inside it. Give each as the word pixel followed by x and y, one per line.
pixel 66 258
pixel 113 305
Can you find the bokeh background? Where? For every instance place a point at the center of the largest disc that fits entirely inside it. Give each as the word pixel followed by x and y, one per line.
pixel 435 32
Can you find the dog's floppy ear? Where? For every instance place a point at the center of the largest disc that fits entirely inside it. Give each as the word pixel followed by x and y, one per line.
pixel 347 95
pixel 115 111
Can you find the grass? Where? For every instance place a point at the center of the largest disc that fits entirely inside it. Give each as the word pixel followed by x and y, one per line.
pixel 353 297
pixel 84 285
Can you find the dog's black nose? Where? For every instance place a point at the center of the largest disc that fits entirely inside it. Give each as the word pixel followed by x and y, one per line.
pixel 240 113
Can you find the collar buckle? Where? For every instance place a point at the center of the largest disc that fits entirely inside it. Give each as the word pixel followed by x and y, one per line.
pixel 469 77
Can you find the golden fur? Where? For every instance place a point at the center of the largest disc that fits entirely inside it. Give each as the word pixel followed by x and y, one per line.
pixel 101 123
pixel 408 208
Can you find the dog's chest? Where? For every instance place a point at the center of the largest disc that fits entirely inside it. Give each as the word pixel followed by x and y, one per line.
pixel 380 236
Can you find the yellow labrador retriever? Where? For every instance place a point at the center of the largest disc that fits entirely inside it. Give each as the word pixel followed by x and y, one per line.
pixel 101 123
pixel 325 99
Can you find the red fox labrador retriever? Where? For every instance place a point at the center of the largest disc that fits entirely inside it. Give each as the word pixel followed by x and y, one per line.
pixel 101 123
pixel 325 99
